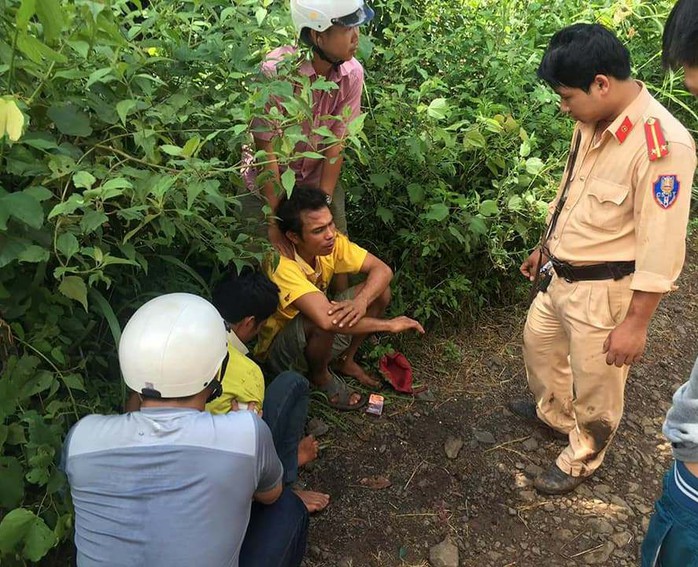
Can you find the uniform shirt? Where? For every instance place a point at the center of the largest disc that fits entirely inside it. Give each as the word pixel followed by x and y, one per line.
pixel 349 78
pixel 296 278
pixel 166 487
pixel 243 379
pixel 622 206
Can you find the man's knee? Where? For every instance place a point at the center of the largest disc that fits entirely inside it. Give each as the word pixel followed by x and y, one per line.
pixel 293 381
pixel 383 300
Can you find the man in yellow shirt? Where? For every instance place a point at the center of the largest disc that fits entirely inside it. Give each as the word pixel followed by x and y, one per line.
pixel 245 301
pixel 308 331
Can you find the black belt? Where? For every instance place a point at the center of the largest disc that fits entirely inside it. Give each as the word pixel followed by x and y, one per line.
pixel 605 271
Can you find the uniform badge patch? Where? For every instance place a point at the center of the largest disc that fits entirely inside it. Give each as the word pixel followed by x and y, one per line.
pixel 666 190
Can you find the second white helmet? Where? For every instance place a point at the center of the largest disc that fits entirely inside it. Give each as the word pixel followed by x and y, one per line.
pixel 320 15
pixel 173 346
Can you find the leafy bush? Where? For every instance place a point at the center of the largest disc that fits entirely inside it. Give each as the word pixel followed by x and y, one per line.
pixel 121 131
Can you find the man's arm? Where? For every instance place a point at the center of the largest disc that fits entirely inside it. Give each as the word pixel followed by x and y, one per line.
pixel 269 496
pixel 331 168
pixel 315 306
pixel 348 313
pixel 271 167
pixel 626 343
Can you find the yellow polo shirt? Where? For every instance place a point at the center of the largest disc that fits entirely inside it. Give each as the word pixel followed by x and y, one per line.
pixel 243 379
pixel 297 278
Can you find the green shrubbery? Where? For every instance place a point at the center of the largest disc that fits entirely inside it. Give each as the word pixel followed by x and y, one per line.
pixel 122 184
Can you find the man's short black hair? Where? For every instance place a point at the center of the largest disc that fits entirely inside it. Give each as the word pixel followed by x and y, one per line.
pixel 249 293
pixel 290 209
pixel 680 40
pixel 578 53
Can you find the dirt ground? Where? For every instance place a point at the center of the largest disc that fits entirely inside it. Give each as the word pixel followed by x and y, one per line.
pixel 483 499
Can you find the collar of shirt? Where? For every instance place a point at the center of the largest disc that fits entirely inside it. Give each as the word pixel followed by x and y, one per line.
pixel 308 270
pixel 627 120
pixel 236 343
pixel 308 70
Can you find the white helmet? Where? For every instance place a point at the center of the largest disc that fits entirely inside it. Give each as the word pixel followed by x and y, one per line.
pixel 320 15
pixel 173 346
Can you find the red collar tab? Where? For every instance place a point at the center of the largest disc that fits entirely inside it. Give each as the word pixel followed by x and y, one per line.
pixel 624 130
pixel 656 144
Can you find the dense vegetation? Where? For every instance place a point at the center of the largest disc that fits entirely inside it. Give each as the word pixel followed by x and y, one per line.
pixel 121 134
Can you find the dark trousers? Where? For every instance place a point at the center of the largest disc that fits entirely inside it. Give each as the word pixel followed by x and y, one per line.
pixel 277 534
pixel 285 408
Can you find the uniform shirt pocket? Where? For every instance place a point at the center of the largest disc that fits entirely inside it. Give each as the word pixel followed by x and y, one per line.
pixel 604 205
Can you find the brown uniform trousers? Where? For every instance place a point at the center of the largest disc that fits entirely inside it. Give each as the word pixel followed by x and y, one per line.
pixel 623 204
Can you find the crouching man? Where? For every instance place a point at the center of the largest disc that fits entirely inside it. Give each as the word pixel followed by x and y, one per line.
pixel 309 331
pixel 172 485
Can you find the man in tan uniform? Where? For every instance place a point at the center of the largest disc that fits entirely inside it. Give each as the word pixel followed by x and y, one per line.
pixel 616 241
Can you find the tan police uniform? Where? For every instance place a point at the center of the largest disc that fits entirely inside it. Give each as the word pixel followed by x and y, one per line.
pixel 629 199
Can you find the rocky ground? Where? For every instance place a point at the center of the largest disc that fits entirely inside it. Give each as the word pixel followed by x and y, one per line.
pixel 448 482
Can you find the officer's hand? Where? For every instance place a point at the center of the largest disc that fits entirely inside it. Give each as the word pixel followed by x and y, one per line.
pixel 625 344
pixel 528 268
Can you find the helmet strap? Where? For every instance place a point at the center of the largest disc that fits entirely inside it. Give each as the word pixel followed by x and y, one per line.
pixel 336 63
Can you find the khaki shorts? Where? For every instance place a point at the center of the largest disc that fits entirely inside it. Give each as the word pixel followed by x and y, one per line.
pixel 253 218
pixel 287 350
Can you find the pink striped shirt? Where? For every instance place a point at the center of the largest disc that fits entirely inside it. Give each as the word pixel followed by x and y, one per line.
pixel 349 77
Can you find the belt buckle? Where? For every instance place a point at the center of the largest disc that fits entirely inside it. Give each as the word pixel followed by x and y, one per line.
pixel 563 270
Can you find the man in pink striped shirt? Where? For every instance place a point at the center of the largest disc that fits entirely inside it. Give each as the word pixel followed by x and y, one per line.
pixel 331 29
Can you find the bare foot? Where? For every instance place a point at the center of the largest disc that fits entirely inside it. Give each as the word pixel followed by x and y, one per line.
pixel 307 450
pixel 354 397
pixel 349 367
pixel 314 501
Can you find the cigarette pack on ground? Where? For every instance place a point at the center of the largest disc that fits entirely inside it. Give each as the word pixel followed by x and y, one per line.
pixel 375 404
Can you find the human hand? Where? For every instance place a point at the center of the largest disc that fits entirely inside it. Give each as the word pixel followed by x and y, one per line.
pixel 279 241
pixel 625 344
pixel 348 312
pixel 239 406
pixel 530 264
pixel 402 324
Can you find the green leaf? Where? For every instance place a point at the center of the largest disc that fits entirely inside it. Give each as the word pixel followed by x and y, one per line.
pixel 124 107
pixel 21 527
pixel 474 140
pixel 33 254
pixel 171 150
pixel 74 382
pixel 11 483
pixel 99 76
pixel 38 51
pixel 39 382
pixel 74 287
pixel 416 193
pixel 3 436
pixel 15 434
pixel 67 244
pixel 488 208
pixel 84 179
pixel 102 305
pixel 92 220
pixel 50 15
pixel 24 207
pixel 534 165
pixel 260 14
pixel 385 215
pixel 11 119
pixel 437 212
pixel 438 108
pixel 70 120
pixel 25 12
pixel 288 180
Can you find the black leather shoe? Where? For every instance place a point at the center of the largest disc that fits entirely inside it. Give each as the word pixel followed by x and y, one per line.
pixel 555 481
pixel 527 410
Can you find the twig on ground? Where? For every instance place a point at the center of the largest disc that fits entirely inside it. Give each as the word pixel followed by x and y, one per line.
pixel 501 445
pixel 590 550
pixel 413 473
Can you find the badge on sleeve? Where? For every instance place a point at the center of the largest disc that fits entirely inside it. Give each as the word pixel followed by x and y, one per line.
pixel 666 190
pixel 656 144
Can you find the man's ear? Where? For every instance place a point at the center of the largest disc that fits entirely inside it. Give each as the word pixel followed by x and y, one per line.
pixel 602 83
pixel 250 322
pixel 293 237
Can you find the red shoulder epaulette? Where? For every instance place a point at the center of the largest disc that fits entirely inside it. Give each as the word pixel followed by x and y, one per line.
pixel 656 144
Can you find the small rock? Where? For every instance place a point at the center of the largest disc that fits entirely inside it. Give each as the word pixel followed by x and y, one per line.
pixel 484 437
pixel 382 449
pixel 621 539
pixel 601 526
pixel 317 427
pixel 453 446
pixel 530 444
pixel 528 496
pixel 565 535
pixel 549 507
pixel 600 556
pixel 643 508
pixel 445 554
